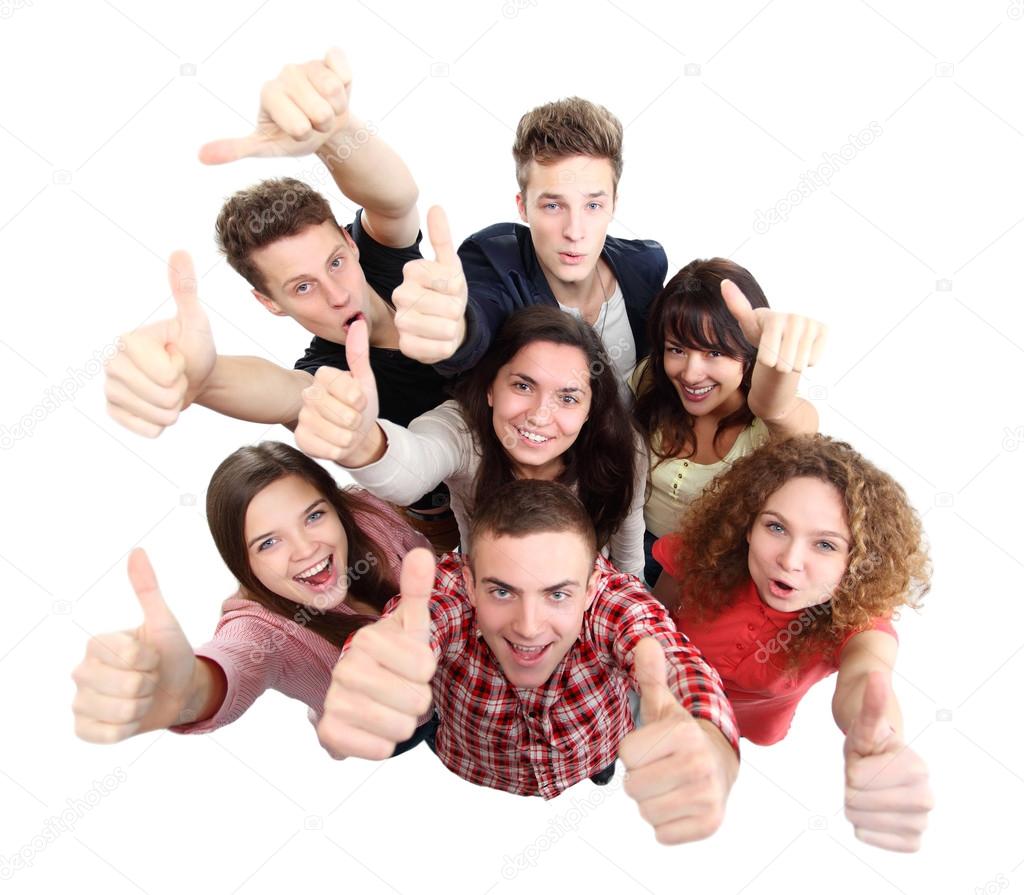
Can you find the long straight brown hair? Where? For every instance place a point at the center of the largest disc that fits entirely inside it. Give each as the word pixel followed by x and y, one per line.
pixel 601 464
pixel 691 312
pixel 246 472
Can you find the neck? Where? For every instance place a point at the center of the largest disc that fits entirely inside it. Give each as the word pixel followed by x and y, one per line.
pixel 582 295
pixel 383 332
pixel 549 472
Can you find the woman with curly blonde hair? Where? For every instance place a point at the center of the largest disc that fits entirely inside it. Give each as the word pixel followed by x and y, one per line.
pixel 788 568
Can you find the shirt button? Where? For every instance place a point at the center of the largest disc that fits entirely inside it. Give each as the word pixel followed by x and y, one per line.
pixel 686 462
pixel 739 646
pixel 751 628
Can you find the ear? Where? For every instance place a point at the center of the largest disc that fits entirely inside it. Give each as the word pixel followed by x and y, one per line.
pixel 467 577
pixel 749 530
pixel 592 583
pixel 351 243
pixel 521 205
pixel 269 304
pixel 490 396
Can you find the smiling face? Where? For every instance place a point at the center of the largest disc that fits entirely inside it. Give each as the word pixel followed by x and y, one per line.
pixel 799 545
pixel 530 594
pixel 568 204
pixel 314 277
pixel 540 401
pixel 706 379
pixel 296 544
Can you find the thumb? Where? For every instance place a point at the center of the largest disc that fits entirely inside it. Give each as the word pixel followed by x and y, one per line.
pixel 155 612
pixel 656 700
pixel 441 237
pixel 870 728
pixel 181 273
pixel 357 354
pixel 220 152
pixel 740 308
pixel 417 586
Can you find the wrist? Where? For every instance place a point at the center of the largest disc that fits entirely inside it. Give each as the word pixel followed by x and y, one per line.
pixel 340 144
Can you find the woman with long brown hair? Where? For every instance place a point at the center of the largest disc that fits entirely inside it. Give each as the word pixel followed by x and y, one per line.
pixel 314 563
pixel 544 403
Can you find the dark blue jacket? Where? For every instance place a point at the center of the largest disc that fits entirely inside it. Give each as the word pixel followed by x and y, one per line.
pixel 504 275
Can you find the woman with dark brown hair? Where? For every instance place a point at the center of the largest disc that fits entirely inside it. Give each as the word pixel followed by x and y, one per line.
pixel 788 568
pixel 544 403
pixel 721 379
pixel 314 563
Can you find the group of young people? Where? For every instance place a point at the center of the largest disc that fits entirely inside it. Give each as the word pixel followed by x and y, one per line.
pixel 657 553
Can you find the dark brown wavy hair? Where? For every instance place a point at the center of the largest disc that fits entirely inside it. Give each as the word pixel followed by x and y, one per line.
pixel 691 312
pixel 246 472
pixel 601 464
pixel 888 565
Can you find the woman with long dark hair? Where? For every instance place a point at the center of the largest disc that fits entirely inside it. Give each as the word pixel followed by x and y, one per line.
pixel 314 563
pixel 720 381
pixel 544 403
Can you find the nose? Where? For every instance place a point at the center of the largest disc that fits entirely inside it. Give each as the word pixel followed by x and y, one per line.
pixel 303 546
pixel 790 556
pixel 539 413
pixel 693 367
pixel 573 230
pixel 337 296
pixel 527 623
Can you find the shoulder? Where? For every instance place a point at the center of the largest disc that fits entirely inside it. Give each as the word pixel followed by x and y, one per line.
pixel 499 246
pixel 645 257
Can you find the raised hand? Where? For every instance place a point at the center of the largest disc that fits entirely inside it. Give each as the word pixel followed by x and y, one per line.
pixel 431 301
pixel 675 771
pixel 887 792
pixel 381 686
pixel 785 342
pixel 160 368
pixel 339 411
pixel 300 110
pixel 134 681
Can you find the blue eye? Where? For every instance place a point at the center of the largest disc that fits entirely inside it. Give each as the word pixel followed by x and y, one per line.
pixel 314 516
pixel 336 263
pixel 775 527
pixel 549 205
pixel 828 546
pixel 266 544
pixel 596 206
pixel 559 596
pixel 303 288
pixel 500 593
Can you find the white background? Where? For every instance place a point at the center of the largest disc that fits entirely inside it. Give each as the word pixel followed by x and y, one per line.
pixel 912 255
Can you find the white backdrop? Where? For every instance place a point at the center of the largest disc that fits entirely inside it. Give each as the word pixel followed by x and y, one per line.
pixel 908 244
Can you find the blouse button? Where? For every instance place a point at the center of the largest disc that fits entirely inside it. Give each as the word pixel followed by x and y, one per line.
pixel 686 462
pixel 739 646
pixel 751 627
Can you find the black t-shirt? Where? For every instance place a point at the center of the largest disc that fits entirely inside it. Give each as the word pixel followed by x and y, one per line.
pixel 406 388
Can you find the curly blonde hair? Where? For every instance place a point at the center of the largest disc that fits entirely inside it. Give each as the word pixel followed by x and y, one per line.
pixel 888 567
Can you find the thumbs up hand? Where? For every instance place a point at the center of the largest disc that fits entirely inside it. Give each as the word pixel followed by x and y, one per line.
pixel 887 792
pixel 785 342
pixel 134 681
pixel 300 110
pixel 677 774
pixel 381 686
pixel 162 367
pixel 431 300
pixel 338 419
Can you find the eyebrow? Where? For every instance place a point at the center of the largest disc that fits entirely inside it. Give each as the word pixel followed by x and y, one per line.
pixel 568 389
pixel 267 534
pixel 828 534
pixel 306 276
pixel 562 585
pixel 561 196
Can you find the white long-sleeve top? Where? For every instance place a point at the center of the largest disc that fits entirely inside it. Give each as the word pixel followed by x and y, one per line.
pixel 438 447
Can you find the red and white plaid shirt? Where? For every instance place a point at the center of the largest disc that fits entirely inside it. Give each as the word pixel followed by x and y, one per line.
pixel 542 741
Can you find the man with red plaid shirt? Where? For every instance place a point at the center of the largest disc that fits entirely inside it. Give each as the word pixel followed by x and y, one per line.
pixel 528 650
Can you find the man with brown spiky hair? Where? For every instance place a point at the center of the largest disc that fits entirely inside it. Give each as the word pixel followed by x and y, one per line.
pixel 568 157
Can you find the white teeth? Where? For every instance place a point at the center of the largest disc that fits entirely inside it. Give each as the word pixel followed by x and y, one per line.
pixel 699 391
pixel 310 572
pixel 532 436
pixel 527 649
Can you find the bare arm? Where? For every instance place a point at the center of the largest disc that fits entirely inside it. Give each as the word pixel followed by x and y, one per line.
pixel 254 389
pixel 866 652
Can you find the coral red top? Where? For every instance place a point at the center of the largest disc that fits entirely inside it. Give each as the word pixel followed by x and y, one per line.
pixel 747 644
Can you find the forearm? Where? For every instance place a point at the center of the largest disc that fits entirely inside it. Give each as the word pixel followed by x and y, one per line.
pixel 255 390
pixel 728 759
pixel 846 704
pixel 202 700
pixel 369 172
pixel 773 398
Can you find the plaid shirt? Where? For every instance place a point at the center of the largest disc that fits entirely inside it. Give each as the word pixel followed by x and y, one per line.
pixel 541 741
